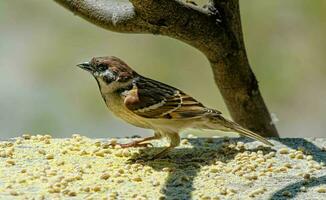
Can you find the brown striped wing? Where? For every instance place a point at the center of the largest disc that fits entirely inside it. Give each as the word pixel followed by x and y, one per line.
pixel 152 99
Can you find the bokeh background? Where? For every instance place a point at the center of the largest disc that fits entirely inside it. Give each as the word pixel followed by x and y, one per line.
pixel 41 90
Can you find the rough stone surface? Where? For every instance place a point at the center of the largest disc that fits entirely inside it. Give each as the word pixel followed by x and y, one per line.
pixel 201 168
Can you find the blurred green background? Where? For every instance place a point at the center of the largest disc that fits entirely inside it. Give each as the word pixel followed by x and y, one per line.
pixel 41 90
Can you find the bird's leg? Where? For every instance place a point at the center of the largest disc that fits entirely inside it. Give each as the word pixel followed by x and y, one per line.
pixel 163 153
pixel 139 143
pixel 174 142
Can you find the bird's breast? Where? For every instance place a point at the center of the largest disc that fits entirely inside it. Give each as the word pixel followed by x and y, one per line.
pixel 116 106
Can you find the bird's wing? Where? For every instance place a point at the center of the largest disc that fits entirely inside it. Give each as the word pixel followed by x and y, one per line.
pixel 152 99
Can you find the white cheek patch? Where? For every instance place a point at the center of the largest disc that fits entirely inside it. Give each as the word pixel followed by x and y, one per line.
pixel 101 74
pixel 105 73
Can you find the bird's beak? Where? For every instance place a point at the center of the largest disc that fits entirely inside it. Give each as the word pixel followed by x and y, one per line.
pixel 86 66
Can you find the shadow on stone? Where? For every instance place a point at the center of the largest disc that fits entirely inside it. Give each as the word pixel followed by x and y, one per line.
pixel 184 164
pixel 317 155
pixel 294 188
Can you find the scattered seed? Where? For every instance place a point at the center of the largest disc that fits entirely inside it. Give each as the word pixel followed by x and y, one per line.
pixel 97 188
pixel 309 157
pixel 41 151
pixel 184 141
pixel 50 156
pixel 299 156
pixel 257 192
pixel 11 162
pixel 137 179
pixel 288 165
pixel 292 155
pixel 113 142
pixel 26 136
pixel 105 176
pixel 286 194
pixel 321 190
pixel 100 154
pixel 72 193
pixel 306 176
pixel 214 170
pixel 303 189
pixel 47 141
pixel 97 143
pixel 14 193
pixel 283 151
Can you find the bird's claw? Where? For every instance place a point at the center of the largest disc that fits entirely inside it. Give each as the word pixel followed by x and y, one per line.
pixel 133 144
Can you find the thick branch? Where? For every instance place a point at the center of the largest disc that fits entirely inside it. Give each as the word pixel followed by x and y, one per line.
pixel 215 31
pixel 117 16
pixel 234 77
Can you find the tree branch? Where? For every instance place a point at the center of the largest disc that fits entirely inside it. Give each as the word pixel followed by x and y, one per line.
pixel 113 15
pixel 215 31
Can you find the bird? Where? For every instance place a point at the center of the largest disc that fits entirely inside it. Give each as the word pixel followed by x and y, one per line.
pixel 150 104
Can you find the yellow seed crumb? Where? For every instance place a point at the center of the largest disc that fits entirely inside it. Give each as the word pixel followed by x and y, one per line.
pixel 60 163
pixel 72 193
pixel 184 141
pixel 306 176
pixel 214 170
pixel 321 190
pixel 251 177
pixel 283 151
pixel 257 192
pixel 303 189
pixel 49 156
pixel 283 169
pixel 156 183
pixel 19 141
pixel 292 155
pixel 26 136
pixel 96 188
pixel 299 156
pixel 137 179
pixel 113 141
pixel 166 169
pixel 260 160
pixel 309 157
pixel 47 136
pixel 100 154
pixel 240 144
pixel 105 176
pixel 288 165
pixel 14 193
pixel 41 151
pixel 119 153
pixel 126 153
pixel 317 166
pixel 97 143
pixel 47 141
pixel 287 194
pixel 11 162
pixel 54 190
pixel 86 189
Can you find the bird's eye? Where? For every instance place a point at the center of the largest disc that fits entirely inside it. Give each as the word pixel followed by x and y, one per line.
pixel 101 68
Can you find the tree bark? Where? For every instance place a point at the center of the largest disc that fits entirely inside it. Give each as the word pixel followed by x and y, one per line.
pixel 214 30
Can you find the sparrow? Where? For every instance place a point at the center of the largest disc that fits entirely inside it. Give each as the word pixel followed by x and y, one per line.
pixel 150 104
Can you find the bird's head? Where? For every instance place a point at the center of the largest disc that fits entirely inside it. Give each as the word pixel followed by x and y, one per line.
pixel 110 72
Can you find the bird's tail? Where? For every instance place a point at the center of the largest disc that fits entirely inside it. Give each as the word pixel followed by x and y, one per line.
pixel 232 126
